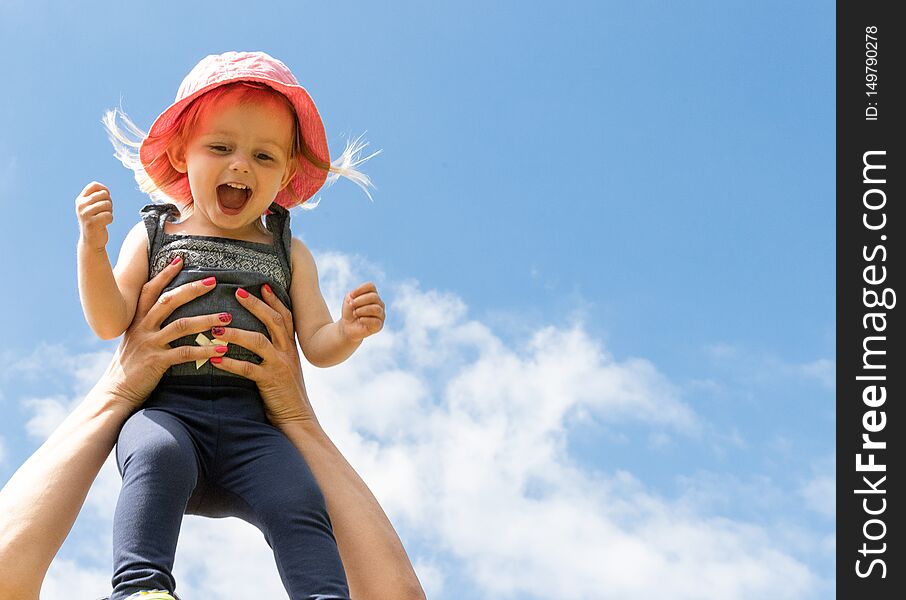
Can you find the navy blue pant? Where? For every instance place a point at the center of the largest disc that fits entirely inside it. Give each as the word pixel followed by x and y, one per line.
pixel 203 445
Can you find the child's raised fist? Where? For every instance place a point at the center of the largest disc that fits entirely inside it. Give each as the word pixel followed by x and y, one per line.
pixel 94 209
pixel 363 312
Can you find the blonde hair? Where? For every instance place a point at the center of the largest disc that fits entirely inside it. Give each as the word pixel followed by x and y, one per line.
pixel 128 138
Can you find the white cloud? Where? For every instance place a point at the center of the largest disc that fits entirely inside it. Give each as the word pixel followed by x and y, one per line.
pixel 820 491
pixel 431 576
pixel 722 350
pixel 68 578
pixel 225 558
pixel 754 366
pixel 47 413
pixel 821 495
pixel 463 436
pixel 823 370
pixel 81 371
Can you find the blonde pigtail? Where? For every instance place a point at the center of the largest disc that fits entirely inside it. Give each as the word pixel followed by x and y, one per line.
pixel 126 140
pixel 345 165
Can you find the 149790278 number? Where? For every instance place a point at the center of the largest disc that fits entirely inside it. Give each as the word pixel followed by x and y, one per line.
pixel 871 60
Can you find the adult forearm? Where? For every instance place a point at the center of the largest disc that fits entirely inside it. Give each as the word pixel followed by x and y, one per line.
pixel 376 563
pixel 39 504
pixel 102 301
pixel 41 501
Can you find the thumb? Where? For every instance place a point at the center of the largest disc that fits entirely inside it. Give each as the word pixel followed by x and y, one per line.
pixel 347 307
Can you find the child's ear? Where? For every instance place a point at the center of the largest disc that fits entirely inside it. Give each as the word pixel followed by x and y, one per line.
pixel 292 167
pixel 177 155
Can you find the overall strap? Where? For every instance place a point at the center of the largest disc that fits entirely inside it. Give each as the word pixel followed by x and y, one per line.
pixel 154 216
pixel 277 222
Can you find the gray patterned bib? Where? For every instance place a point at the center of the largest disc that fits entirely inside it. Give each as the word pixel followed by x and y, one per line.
pixel 235 264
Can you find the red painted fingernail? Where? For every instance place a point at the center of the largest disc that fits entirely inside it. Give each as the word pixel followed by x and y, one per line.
pixel 220 349
pixel 268 289
pixel 175 260
pixel 209 281
pixel 217 331
pixel 225 317
pixel 216 360
pixel 241 293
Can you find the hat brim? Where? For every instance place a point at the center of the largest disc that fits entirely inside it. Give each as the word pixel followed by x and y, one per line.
pixel 308 178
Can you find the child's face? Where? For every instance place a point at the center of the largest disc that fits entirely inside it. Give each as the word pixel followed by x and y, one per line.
pixel 244 144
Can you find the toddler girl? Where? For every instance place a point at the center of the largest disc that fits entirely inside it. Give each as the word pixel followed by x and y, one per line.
pixel 242 140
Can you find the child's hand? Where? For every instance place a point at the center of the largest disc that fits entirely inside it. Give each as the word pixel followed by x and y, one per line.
pixel 95 211
pixel 363 312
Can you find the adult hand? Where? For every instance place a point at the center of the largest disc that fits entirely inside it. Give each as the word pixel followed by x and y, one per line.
pixel 279 376
pixel 144 354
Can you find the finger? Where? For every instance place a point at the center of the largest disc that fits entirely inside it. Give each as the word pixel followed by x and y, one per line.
pixel 173 299
pixel 271 299
pixel 255 341
pixel 93 187
pixel 371 310
pixel 98 217
pixel 152 289
pixel 101 219
pixel 189 325
pixel 274 321
pixel 365 299
pixel 189 354
pixel 84 206
pixel 240 367
pixel 94 208
pixel 371 324
pixel 368 286
pixel 97 196
pixel 86 201
pixel 359 329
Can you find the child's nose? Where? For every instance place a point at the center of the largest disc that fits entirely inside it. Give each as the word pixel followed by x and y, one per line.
pixel 240 164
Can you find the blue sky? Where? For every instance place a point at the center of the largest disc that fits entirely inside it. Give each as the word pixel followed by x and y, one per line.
pixel 645 188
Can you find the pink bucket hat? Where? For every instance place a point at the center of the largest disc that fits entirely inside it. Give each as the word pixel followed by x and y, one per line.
pixel 219 69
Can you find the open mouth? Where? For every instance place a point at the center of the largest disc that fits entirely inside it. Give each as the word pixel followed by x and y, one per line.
pixel 232 199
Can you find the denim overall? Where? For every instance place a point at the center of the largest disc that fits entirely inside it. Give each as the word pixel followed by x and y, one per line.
pixel 202 443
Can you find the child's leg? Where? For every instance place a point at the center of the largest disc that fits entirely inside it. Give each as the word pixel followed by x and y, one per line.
pixel 269 485
pixel 158 462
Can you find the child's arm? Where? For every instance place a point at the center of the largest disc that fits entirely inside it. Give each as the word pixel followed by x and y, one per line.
pixel 108 296
pixel 324 342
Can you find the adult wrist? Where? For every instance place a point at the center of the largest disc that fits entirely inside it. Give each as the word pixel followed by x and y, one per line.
pixel 108 398
pixel 110 395
pixel 305 429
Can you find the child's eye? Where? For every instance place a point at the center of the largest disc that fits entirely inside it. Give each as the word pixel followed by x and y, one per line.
pixel 219 148
pixel 264 157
